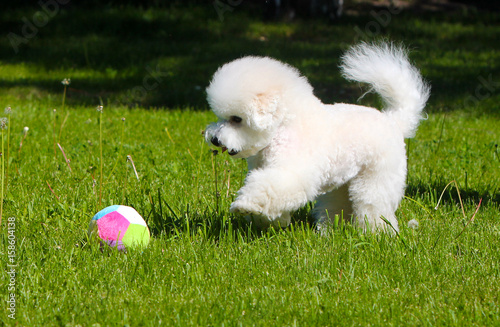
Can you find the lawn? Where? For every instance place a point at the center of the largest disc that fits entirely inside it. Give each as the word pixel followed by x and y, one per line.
pixel 148 68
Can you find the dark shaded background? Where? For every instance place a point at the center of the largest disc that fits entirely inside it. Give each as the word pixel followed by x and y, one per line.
pixel 182 43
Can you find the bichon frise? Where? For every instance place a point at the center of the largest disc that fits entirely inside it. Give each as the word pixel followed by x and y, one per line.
pixel 349 158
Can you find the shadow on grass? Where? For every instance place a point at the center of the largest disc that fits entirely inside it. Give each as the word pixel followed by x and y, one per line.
pixel 468 196
pixel 163 220
pixel 165 57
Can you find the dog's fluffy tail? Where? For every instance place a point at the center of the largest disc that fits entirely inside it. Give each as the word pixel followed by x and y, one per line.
pixel 387 69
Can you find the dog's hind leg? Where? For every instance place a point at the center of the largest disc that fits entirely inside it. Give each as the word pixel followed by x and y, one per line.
pixel 333 203
pixel 377 194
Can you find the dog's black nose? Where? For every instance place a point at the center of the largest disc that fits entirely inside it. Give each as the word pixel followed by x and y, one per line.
pixel 215 141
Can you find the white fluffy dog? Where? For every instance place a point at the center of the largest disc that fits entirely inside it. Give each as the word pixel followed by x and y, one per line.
pixel 349 158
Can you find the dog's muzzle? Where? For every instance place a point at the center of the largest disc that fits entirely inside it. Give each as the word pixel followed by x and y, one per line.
pixel 215 141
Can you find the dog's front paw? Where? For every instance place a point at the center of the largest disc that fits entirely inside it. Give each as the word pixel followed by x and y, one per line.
pixel 245 207
pixel 251 212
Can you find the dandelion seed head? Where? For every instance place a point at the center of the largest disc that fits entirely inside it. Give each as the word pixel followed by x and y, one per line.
pixel 8 110
pixel 3 122
pixel 413 224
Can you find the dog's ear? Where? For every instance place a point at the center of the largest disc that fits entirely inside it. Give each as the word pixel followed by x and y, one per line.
pixel 265 110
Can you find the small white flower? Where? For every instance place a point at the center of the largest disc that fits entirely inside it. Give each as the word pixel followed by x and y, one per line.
pixel 66 81
pixel 100 108
pixel 413 224
pixel 25 130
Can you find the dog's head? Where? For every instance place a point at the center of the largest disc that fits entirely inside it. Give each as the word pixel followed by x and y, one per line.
pixel 248 96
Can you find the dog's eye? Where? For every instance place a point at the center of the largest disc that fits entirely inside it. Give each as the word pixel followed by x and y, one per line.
pixel 235 119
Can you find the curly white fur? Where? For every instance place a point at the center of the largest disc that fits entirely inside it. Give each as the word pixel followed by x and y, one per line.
pixel 349 158
pixel 387 69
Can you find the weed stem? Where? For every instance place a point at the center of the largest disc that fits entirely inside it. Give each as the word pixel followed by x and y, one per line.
pixel 65 158
pixel 100 109
pixel 129 158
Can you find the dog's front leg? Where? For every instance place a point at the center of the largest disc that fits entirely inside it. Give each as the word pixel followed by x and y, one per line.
pixel 272 192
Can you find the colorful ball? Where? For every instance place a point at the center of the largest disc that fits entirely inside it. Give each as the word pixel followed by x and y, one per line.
pixel 121 227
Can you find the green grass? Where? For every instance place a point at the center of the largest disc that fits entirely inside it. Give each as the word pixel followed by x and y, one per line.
pixel 205 266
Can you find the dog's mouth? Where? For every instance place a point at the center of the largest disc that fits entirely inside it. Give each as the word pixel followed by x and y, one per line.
pixel 230 152
pixel 215 141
